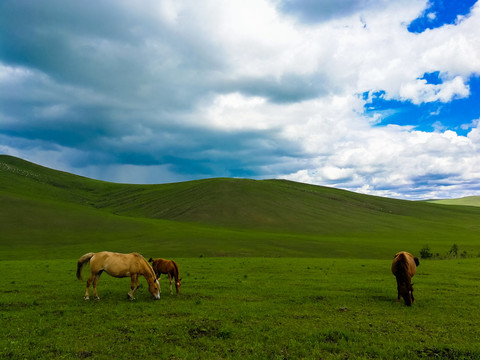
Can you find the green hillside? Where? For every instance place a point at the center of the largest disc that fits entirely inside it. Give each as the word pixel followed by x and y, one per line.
pixel 57 214
pixel 465 201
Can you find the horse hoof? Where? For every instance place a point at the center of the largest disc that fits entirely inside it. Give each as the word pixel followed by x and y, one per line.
pixel 86 298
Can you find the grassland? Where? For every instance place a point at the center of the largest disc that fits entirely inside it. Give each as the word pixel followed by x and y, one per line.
pixel 251 308
pixel 465 201
pixel 270 270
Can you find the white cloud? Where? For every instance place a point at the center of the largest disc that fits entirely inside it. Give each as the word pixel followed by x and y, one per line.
pixel 396 159
pixel 341 149
pixel 473 124
pixel 421 92
pixel 233 112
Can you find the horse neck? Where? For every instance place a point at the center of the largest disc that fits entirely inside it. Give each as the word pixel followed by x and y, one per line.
pixel 147 271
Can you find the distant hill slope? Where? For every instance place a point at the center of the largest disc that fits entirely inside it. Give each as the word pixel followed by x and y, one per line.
pixel 240 203
pixel 240 216
pixel 466 201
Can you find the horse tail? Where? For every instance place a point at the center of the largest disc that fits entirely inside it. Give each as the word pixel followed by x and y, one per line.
pixel 177 273
pixel 417 262
pixel 401 268
pixel 82 261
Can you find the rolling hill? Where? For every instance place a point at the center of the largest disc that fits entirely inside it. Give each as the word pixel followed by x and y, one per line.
pixel 60 215
pixel 465 201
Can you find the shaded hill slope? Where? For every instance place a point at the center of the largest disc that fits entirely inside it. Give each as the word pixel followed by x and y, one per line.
pixel 272 205
pixel 242 203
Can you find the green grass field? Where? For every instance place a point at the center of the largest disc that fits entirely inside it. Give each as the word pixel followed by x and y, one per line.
pixel 465 201
pixel 270 270
pixel 254 308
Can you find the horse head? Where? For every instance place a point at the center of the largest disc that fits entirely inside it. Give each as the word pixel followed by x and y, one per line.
pixel 154 288
pixel 178 282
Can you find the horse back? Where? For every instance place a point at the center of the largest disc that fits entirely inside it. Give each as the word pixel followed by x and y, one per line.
pixel 163 266
pixel 404 261
pixel 117 264
pixel 160 265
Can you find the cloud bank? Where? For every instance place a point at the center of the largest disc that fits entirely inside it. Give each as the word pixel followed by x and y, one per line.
pixel 162 91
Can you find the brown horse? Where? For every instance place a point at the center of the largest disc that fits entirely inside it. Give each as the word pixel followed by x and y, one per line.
pixel 163 266
pixel 404 267
pixel 118 265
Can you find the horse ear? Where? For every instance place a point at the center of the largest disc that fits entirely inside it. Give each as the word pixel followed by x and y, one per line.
pixel 150 260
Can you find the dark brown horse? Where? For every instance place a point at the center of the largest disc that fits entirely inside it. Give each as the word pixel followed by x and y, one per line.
pixel 169 267
pixel 404 267
pixel 118 265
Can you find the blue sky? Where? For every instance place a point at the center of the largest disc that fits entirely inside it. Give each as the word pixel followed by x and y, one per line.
pixel 455 115
pixel 375 96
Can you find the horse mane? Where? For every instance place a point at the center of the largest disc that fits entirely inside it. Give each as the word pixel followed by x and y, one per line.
pixel 148 266
pixel 177 273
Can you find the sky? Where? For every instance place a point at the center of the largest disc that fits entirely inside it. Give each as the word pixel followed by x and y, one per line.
pixel 380 97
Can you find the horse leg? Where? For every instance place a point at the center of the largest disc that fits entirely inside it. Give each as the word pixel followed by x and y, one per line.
pixel 95 282
pixel 87 290
pixel 170 278
pixel 133 286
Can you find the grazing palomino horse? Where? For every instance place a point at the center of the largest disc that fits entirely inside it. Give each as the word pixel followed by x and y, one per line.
pixel 404 267
pixel 118 265
pixel 163 266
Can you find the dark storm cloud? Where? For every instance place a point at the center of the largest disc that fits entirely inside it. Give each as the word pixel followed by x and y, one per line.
pixel 313 11
pixel 289 88
pixel 107 47
pixel 113 81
